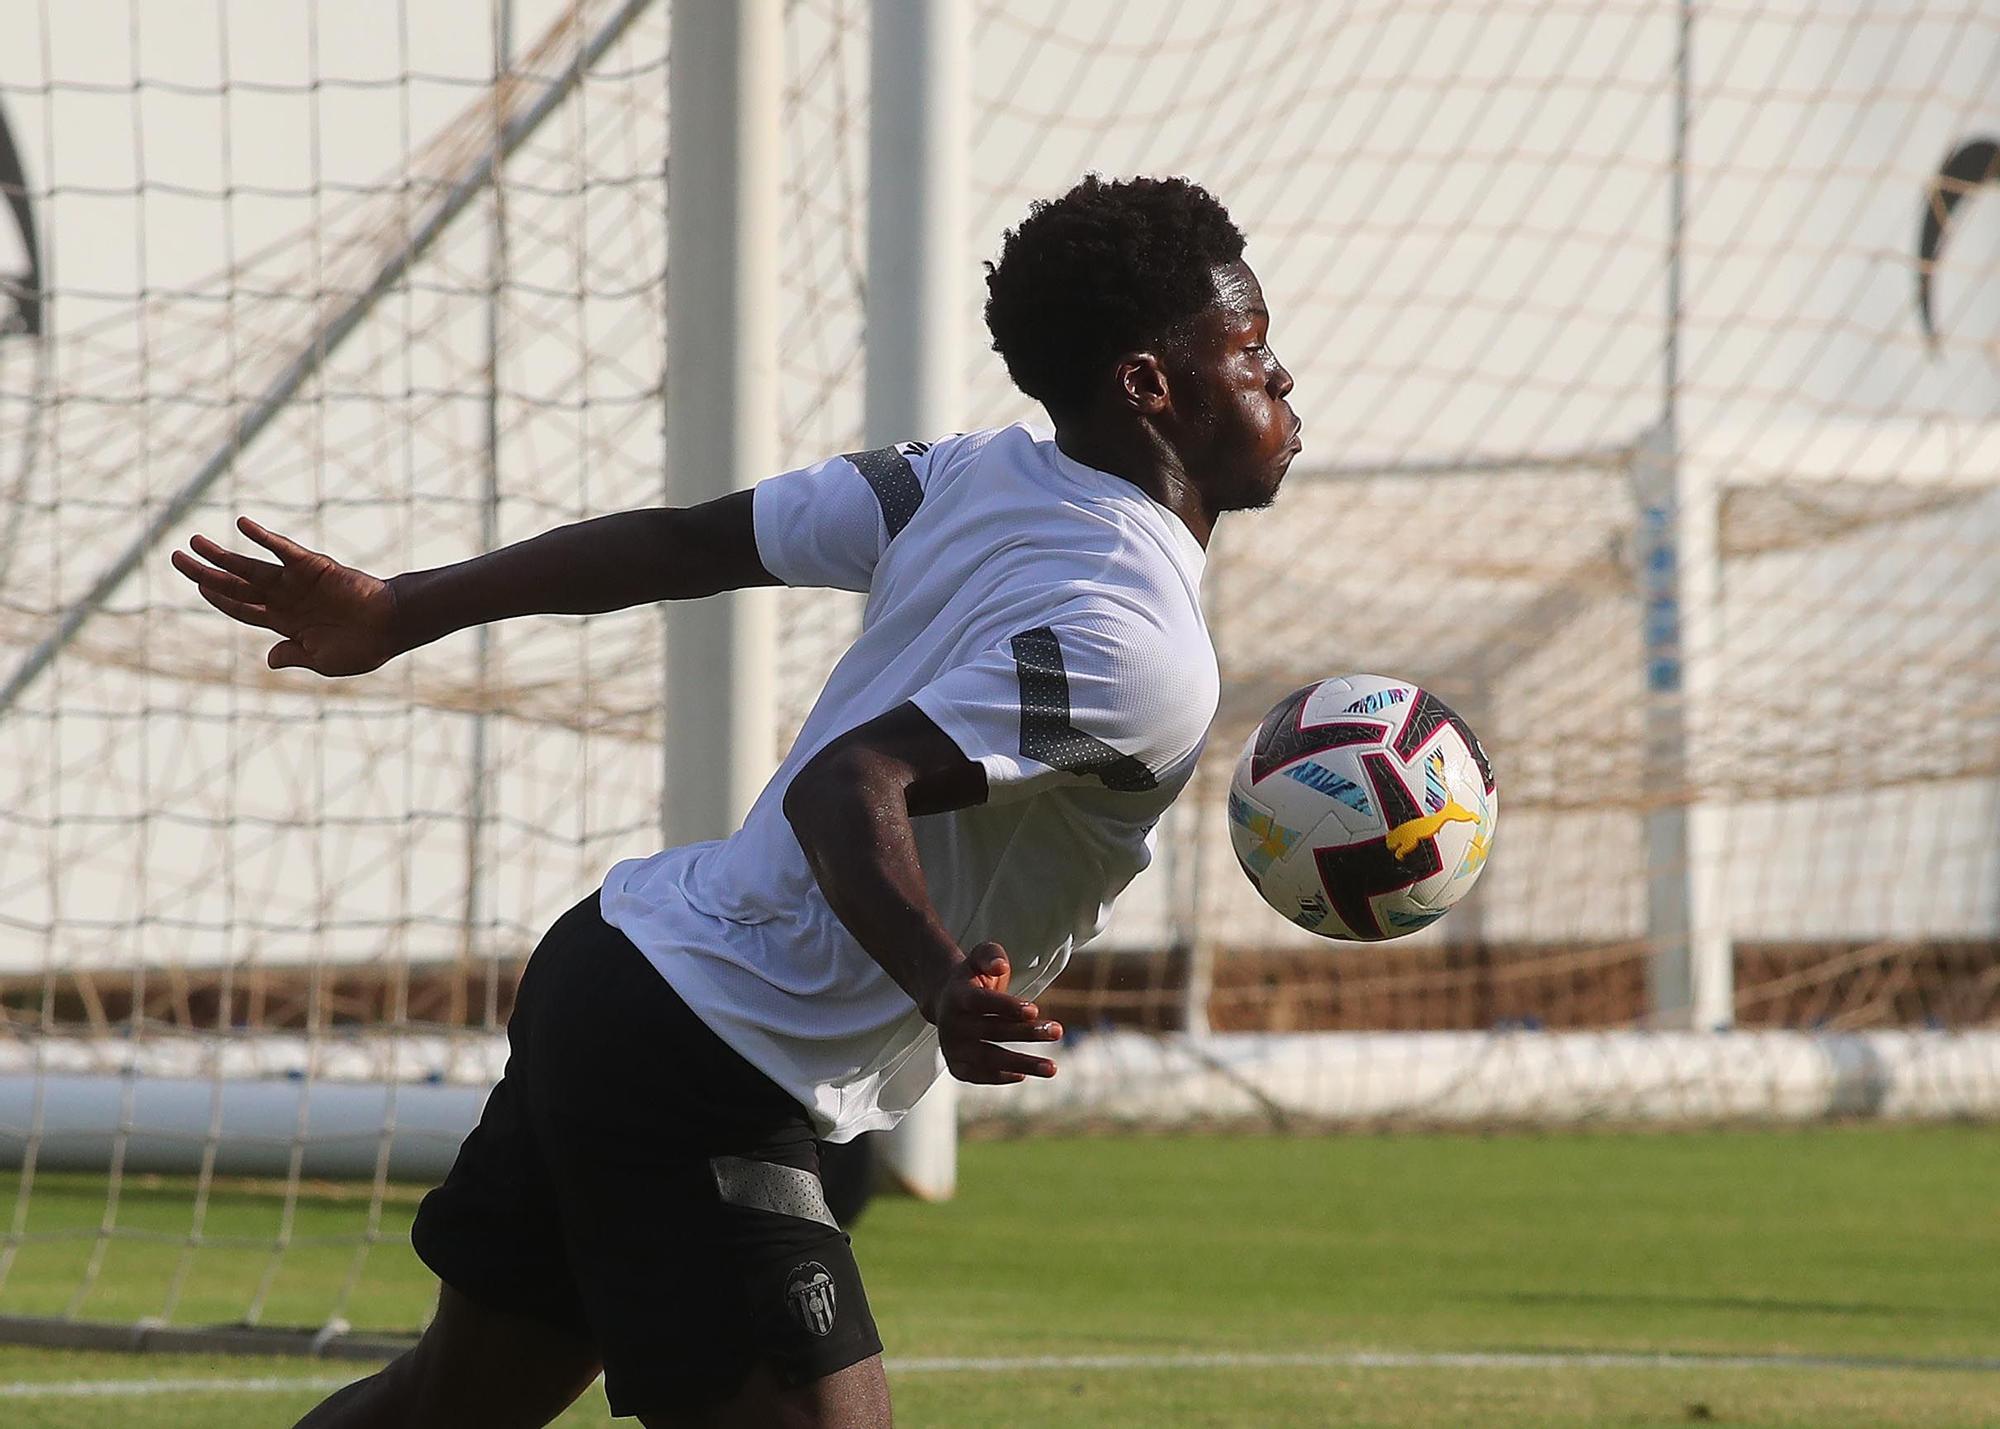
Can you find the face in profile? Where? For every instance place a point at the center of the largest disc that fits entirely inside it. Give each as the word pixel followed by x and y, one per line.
pixel 1239 434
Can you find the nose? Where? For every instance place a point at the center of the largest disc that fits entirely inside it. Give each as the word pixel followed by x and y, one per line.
pixel 1281 381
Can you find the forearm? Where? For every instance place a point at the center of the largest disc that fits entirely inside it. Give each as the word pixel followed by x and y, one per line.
pixel 854 825
pixel 609 563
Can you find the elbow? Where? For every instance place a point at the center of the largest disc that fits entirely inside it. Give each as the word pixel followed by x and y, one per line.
pixel 831 787
pixel 799 800
pixel 815 791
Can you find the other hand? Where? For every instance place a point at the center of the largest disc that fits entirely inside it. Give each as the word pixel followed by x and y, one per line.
pixel 335 620
pixel 974 1013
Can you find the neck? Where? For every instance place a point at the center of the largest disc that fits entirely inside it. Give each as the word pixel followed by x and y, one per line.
pixel 1139 455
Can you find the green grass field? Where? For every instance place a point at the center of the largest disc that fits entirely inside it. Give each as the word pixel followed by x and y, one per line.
pixel 1875 1245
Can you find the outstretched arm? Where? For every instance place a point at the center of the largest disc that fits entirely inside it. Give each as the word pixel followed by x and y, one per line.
pixel 851 807
pixel 337 620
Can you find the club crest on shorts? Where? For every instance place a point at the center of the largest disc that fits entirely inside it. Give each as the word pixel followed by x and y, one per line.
pixel 809 1291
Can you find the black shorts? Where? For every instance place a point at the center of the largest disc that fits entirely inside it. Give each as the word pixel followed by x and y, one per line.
pixel 634 1181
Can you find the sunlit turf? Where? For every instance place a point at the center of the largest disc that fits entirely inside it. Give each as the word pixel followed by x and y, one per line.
pixel 1880 1243
pixel 1564 1398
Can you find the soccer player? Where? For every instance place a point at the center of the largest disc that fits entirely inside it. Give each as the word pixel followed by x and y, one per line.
pixel 978 780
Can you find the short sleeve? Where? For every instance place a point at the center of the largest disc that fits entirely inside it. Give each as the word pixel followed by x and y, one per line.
pixel 1108 703
pixel 827 524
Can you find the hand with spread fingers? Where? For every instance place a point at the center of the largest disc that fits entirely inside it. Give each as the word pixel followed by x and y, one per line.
pixel 335 620
pixel 974 1013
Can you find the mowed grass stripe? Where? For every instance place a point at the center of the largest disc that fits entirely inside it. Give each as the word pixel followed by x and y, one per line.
pixel 1043 1364
pixel 147 1388
pixel 1411 1359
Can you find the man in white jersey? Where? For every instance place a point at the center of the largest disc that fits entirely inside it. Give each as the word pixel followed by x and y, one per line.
pixel 979 779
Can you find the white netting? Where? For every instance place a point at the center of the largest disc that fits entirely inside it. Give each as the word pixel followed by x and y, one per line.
pixel 1466 220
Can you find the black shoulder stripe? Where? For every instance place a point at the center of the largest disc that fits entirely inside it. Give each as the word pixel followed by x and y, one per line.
pixel 894 481
pixel 1046 732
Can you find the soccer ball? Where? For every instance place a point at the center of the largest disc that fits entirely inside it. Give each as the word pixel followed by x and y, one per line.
pixel 1362 808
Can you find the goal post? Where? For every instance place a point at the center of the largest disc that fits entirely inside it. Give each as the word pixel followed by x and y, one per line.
pixel 1692 973
pixel 722 402
pixel 916 236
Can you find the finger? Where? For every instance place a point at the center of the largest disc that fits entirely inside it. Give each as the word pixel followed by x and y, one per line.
pixel 238 610
pixel 283 547
pixel 973 1067
pixel 986 982
pixel 998 1060
pixel 221 582
pixel 982 1078
pixel 977 1001
pixel 260 572
pixel 288 654
pixel 986 1060
pixel 999 1029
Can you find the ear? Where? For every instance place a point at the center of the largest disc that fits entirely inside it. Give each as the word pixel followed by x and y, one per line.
pixel 1142 383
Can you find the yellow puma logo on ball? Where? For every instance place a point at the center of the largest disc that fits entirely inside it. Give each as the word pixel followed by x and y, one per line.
pixel 1475 857
pixel 1407 835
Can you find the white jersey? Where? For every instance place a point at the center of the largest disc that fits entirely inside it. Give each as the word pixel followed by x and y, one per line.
pixel 1047 617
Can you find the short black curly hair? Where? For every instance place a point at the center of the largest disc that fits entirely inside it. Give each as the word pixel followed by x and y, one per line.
pixel 1112 266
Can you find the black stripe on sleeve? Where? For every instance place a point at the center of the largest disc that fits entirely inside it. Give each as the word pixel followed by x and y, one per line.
pixel 1047 735
pixel 894 481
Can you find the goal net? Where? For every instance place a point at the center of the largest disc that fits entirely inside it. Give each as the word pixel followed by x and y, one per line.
pixel 1650 364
